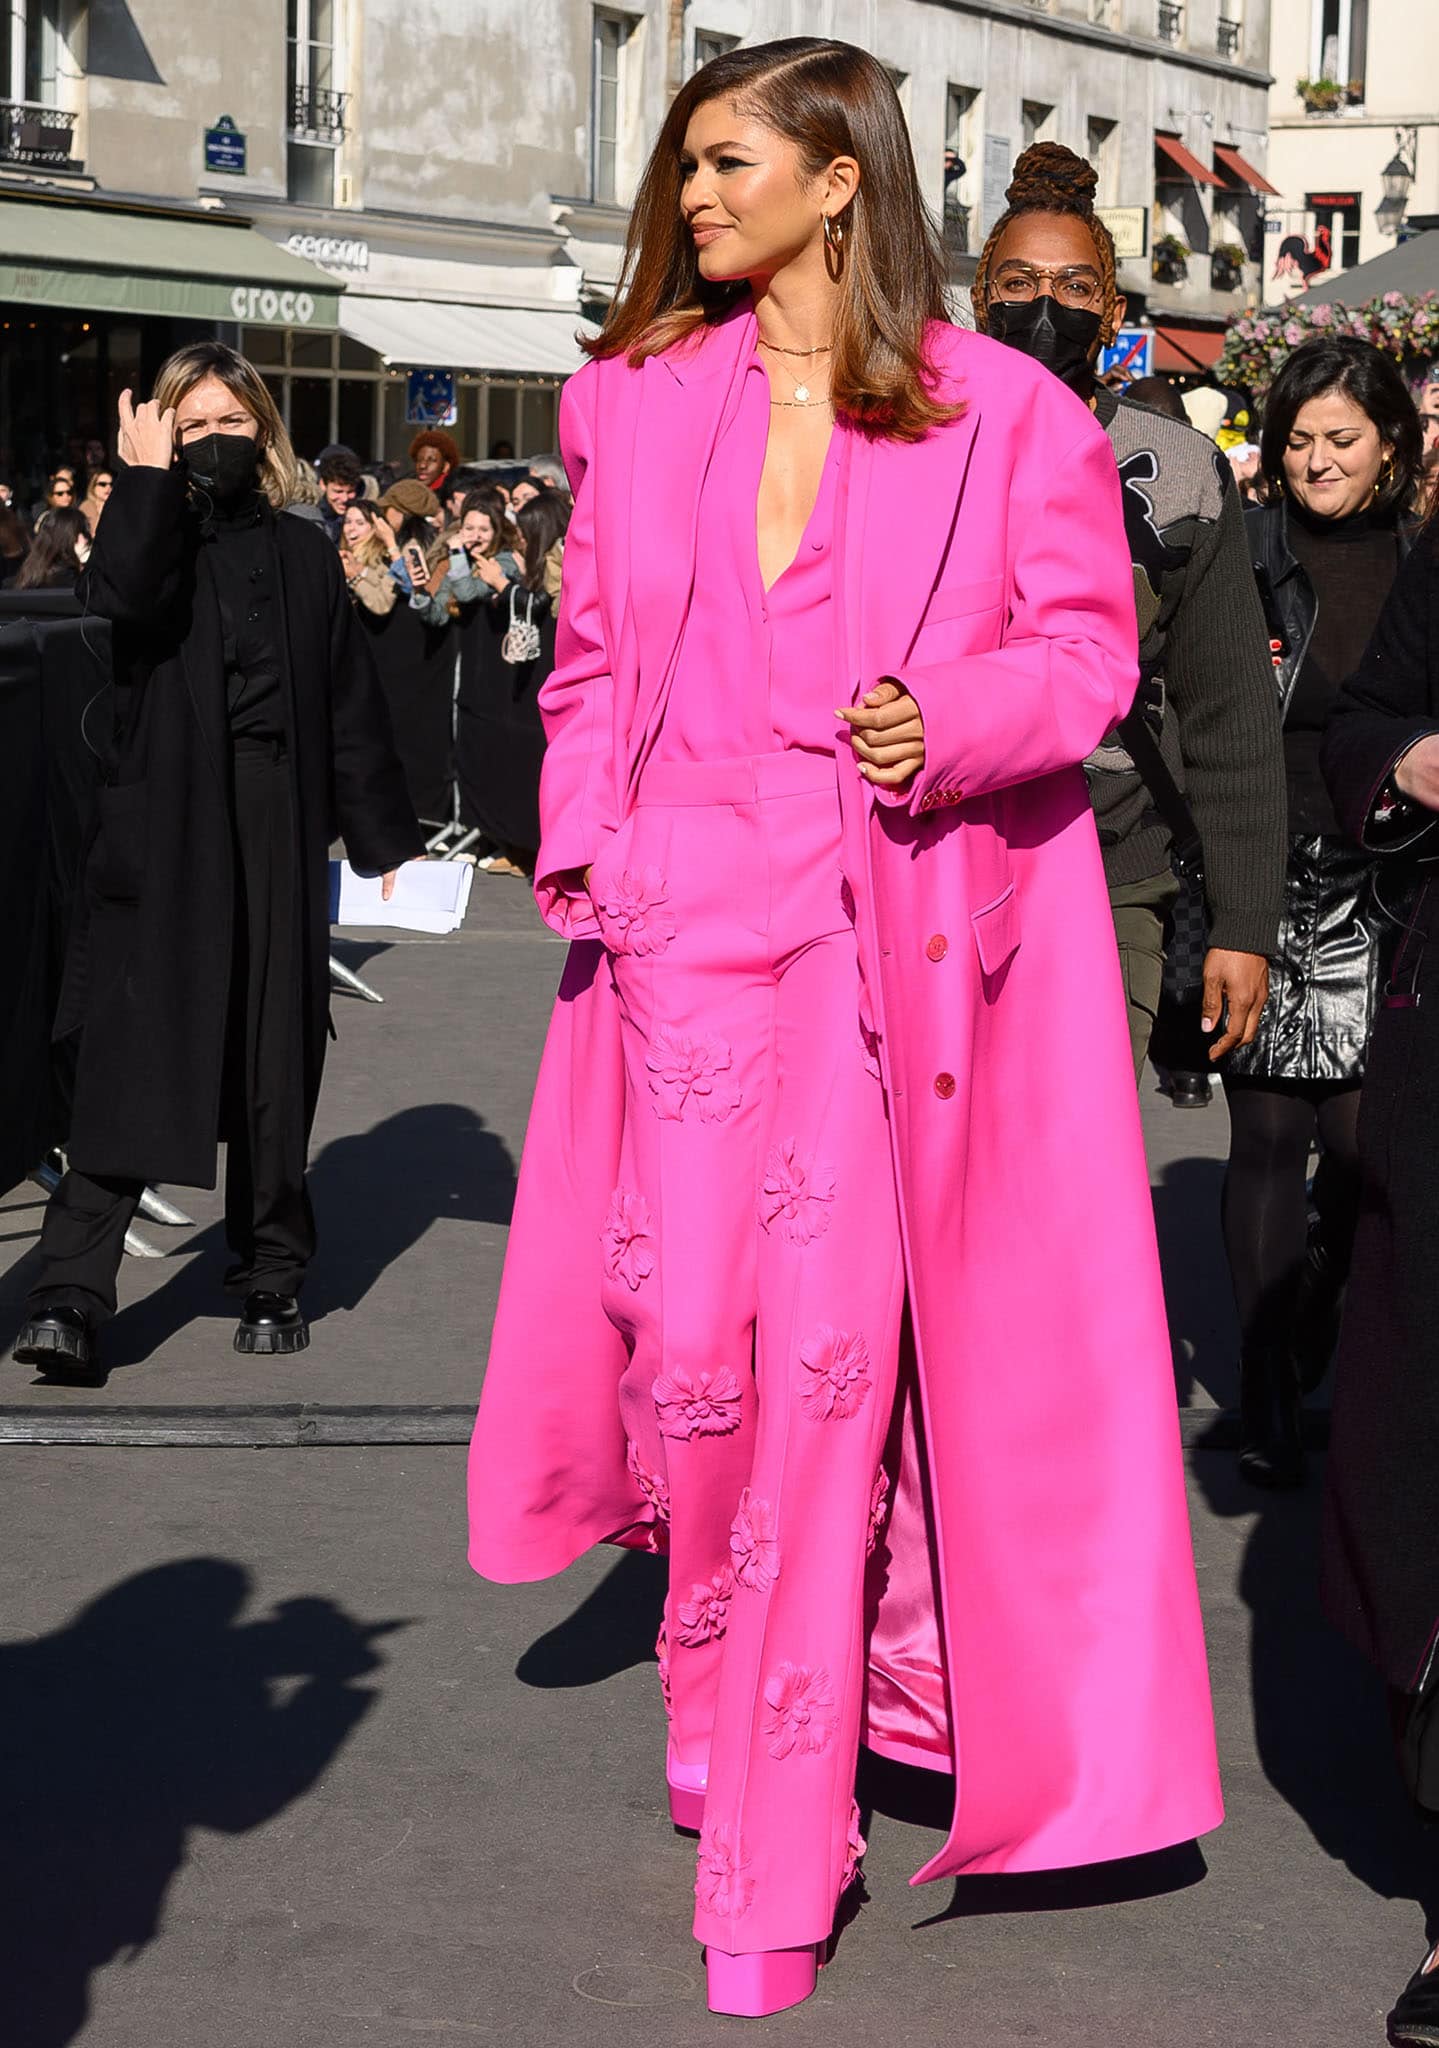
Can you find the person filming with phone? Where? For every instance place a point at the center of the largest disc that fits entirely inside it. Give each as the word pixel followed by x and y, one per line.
pixel 248 730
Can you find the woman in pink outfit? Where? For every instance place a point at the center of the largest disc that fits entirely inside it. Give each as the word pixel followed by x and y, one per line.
pixel 847 601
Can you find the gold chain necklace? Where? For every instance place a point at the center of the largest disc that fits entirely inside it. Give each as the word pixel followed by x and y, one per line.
pixel 821 348
pixel 802 396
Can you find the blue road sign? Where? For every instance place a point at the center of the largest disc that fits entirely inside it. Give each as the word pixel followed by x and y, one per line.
pixel 431 399
pixel 1131 353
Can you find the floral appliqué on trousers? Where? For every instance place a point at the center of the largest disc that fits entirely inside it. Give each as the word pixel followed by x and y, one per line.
pixel 799 1711
pixel 795 1197
pixel 836 1365
pixel 720 1884
pixel 691 1073
pixel 634 912
pixel 878 1510
pixel 697 1403
pixel 754 1544
pixel 854 1848
pixel 702 1617
pixel 629 1239
pixel 650 1484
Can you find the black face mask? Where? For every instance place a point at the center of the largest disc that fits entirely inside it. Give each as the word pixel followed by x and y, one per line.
pixel 1060 337
pixel 224 466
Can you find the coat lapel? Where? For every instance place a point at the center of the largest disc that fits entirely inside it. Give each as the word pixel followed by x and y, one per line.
pixel 906 496
pixel 682 403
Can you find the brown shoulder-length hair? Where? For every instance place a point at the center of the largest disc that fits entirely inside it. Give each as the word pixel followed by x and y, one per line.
pixel 829 99
pixel 201 359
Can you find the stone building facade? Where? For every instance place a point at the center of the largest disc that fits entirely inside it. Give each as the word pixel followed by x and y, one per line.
pixel 1354 134
pixel 361 191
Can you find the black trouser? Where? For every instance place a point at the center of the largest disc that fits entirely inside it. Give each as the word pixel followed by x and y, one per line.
pixel 268 1220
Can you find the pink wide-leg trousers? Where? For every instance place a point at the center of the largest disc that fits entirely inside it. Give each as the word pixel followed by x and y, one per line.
pixel 753 1264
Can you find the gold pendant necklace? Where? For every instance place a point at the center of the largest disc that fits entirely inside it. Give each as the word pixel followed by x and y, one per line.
pixel 801 387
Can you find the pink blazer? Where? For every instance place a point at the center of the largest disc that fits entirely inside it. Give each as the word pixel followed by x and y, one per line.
pixel 1062 1673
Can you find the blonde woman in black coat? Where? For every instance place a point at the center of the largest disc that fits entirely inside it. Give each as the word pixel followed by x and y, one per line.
pixel 248 731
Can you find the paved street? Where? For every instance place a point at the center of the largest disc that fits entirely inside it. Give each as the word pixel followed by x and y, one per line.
pixel 307 1782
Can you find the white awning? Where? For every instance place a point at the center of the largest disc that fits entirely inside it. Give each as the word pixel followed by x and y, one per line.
pixel 432 334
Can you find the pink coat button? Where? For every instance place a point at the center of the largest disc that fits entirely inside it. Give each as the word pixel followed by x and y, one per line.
pixel 944 1086
pixel 937 947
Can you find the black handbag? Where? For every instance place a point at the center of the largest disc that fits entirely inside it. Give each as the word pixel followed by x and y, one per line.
pixel 1187 937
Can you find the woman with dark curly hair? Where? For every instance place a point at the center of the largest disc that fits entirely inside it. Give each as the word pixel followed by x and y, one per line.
pixel 1340 453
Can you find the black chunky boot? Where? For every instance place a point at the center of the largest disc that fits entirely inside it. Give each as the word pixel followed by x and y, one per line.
pixel 59 1342
pixel 271 1323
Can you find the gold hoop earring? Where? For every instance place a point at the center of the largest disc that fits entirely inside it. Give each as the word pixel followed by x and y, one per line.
pixel 833 232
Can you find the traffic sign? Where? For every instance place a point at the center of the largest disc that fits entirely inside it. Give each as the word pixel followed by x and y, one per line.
pixel 1131 353
pixel 430 399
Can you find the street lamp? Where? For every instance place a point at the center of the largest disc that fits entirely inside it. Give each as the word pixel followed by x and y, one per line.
pixel 1397 178
pixel 1398 181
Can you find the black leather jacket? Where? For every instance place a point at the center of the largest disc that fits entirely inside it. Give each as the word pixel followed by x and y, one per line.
pixel 1285 591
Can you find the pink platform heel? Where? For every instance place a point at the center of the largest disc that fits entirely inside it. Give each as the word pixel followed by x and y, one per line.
pixel 754 1986
pixel 687 1784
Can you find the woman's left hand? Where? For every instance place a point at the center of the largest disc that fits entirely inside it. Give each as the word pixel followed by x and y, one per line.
pixel 887 734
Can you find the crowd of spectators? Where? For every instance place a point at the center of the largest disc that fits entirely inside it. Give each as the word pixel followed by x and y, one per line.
pixel 457 544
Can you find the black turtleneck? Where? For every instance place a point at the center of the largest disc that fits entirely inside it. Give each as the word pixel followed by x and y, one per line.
pixel 240 541
pixel 1351 564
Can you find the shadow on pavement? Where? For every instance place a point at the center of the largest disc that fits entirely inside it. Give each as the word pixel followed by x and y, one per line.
pixel 1197 1292
pixel 157 1710
pixel 925 1799
pixel 1320 1713
pixel 611 1630
pixel 376 1194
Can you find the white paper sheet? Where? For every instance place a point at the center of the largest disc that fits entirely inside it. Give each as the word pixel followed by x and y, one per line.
pixel 430 896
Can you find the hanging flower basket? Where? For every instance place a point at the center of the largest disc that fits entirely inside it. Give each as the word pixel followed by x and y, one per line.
pixel 1404 326
pixel 1226 266
pixel 1171 260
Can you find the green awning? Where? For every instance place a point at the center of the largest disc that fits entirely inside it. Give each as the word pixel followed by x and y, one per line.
pixel 105 260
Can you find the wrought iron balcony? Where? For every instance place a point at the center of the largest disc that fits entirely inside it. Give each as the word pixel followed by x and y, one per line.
pixel 956 228
pixel 317 114
pixel 1228 37
pixel 1171 21
pixel 37 135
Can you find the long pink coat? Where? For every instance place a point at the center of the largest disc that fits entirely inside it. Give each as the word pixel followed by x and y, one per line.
pixel 986 568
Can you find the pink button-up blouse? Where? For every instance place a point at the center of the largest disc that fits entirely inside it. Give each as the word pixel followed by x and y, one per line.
pixel 754 672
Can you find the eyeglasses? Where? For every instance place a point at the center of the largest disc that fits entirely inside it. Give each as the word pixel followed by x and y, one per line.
pixel 1018 283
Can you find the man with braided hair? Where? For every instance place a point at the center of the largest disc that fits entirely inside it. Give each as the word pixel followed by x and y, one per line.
pixel 1208 716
